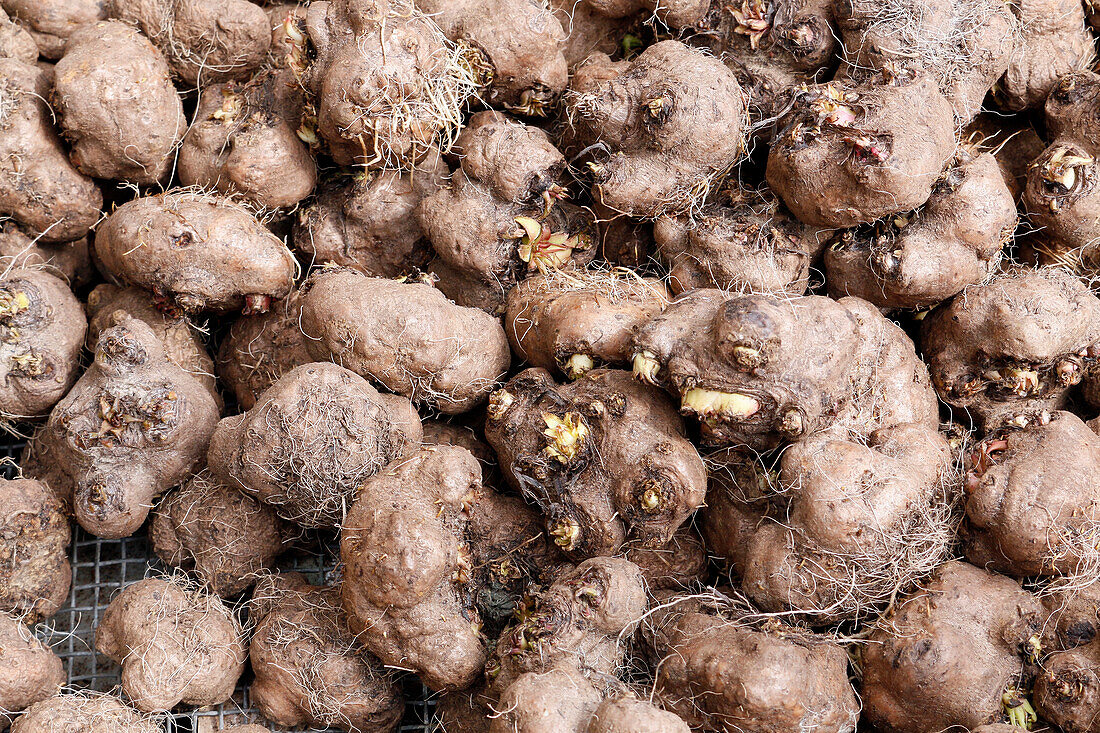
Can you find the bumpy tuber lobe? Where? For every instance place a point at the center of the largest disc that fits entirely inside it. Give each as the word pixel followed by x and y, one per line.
pixel 84 711
pixel 604 458
pixel 948 654
pixel 29 670
pixel 51 22
pixel 310 669
pixel 200 252
pixel 39 187
pixel 751 370
pixel 324 430
pixel 175 645
pixel 405 336
pixel 35 574
pixel 671 122
pixel 132 427
pixel 42 329
pixel 116 104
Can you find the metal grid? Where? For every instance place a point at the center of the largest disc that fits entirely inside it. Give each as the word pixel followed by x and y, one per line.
pixel 101 568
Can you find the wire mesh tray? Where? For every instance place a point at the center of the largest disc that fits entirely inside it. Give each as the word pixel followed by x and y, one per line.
pixel 101 568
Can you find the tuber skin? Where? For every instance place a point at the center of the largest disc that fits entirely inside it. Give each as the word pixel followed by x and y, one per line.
pixel 244 140
pixel 1013 346
pixel 225 537
pixel 678 565
pixel 577 624
pixel 748 243
pixel 259 350
pixel 965 45
pixel 750 369
pixel 116 104
pixel 42 328
pixel 500 219
pixel 723 674
pixel 1061 196
pixel 1054 42
pixel 84 711
pixel 405 336
pixel 133 426
pixel 51 22
pixel 35 574
pixel 29 670
pixel 310 669
pixel 183 344
pixel 433 561
pixel 69 261
pixel 201 252
pixel 514 47
pixel 921 258
pixel 203 40
pixel 846 524
pixel 390 87
pixel 39 187
pixel 671 121
pixel 325 430
pixel 367 222
pixel 175 644
pixel 849 153
pixel 1066 689
pixel 16 42
pixel 947 654
pixel 588 31
pixel 604 458
pixel 571 323
pixel 1032 499
pixel 1014 142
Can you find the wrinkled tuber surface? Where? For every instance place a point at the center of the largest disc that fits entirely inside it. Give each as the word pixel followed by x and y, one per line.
pixel 69 261
pixel 207 40
pixel 604 458
pixel 16 42
pixel 1062 195
pixel 572 322
pixel 432 558
pixel 406 336
pixel 1014 141
pixel 183 343
pixel 671 122
pixel 752 370
pixel 513 46
pixel 749 243
pixel 116 104
pixel 390 86
pixel 42 329
pixel 966 45
pixel 848 153
pixel 84 712
pixel 225 537
pixel 35 574
pixel 679 564
pixel 200 252
pixel 588 31
pixel 51 22
pixel 29 670
pixel 951 654
pixel 133 426
pixel 39 187
pixel 1012 346
pixel 848 522
pixel 367 222
pixel 175 644
pixel 259 350
pixel 1054 42
pixel 310 669
pixel 579 622
pixel 722 674
pixel 244 140
pixel 324 430
pixel 1067 690
pixel 921 258
pixel 1033 499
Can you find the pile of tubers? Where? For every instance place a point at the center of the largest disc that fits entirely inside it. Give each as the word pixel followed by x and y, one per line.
pixel 632 366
